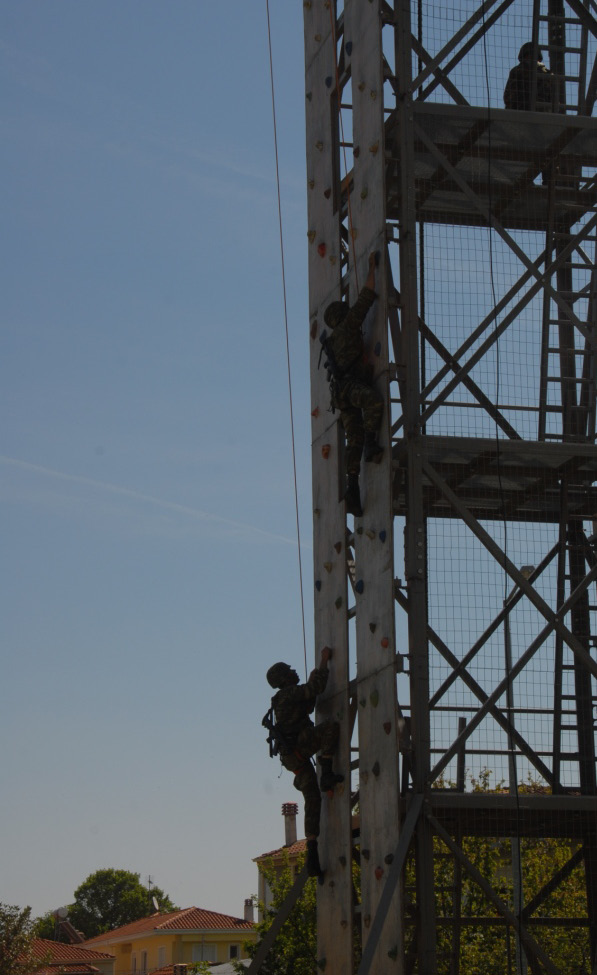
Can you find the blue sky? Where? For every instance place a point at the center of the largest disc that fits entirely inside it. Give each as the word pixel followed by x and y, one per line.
pixel 149 567
pixel 149 561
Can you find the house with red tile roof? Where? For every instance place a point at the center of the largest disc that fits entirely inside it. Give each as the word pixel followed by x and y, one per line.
pixel 176 938
pixel 71 959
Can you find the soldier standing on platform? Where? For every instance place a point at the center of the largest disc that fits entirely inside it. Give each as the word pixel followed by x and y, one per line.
pixel 530 71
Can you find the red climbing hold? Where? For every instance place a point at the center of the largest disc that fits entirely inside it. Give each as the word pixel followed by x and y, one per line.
pixel 321 249
pixel 325 450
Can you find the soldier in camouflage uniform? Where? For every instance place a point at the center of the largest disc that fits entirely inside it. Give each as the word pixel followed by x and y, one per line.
pixel 301 739
pixel 360 405
pixel 519 87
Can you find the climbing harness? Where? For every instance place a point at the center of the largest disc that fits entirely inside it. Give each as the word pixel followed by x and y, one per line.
pixel 279 744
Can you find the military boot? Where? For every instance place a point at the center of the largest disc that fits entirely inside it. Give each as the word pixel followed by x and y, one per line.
pixel 329 779
pixel 313 865
pixel 373 451
pixel 353 495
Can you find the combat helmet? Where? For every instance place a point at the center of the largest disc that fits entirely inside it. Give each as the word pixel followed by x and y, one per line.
pixel 526 51
pixel 277 674
pixel 335 313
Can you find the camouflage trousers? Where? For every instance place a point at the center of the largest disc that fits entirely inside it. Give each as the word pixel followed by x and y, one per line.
pixel 361 410
pixel 311 740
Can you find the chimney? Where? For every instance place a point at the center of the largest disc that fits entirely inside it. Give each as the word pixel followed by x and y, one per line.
pixel 289 811
pixel 249 909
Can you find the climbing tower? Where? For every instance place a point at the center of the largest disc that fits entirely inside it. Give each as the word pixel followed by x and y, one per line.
pixel 461 606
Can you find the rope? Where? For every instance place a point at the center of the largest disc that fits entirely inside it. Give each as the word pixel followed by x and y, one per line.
pixel 298 529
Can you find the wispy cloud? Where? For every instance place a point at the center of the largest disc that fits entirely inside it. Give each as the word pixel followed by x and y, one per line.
pixel 197 514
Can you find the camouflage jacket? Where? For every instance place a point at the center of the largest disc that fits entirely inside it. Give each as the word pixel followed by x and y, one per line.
pixel 346 339
pixel 519 87
pixel 293 705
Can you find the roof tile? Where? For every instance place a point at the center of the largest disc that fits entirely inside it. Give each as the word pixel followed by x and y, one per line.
pixel 189 919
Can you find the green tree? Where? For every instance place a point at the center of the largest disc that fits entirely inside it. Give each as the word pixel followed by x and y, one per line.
pixel 110 898
pixel 295 948
pixel 45 927
pixel 487 945
pixel 17 954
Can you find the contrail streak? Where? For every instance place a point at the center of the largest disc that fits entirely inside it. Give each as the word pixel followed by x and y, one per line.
pixel 182 509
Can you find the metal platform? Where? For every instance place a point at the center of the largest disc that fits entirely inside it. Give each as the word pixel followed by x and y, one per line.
pixel 499 160
pixel 517 480
pixel 530 815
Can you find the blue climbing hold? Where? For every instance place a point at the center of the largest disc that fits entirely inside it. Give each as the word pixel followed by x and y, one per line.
pixel 359 586
pixel 377 348
pixel 382 535
pixel 348 47
pixel 318 585
pixel 328 81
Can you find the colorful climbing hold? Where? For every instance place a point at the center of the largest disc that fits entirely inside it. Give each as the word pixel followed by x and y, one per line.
pixel 382 535
pixel 367 920
pixel 393 953
pixel 319 145
pixel 364 193
pixel 338 602
pixel 348 47
pixel 370 533
pixel 325 450
pixel 328 566
pixel 321 249
pixel 366 854
pixel 315 412
pixel 374 149
pixel 338 547
pixel 328 81
pixel 328 192
pixel 374 698
pixel 311 236
pixel 377 348
pixel 373 627
pixel 387 727
pixel 379 872
pixel 318 585
pixel 356 152
pixel 376 769
pixel 385 642
pixel 389 858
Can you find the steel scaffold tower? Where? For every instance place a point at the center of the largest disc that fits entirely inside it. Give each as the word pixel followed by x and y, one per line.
pixel 490 454
pixel 455 664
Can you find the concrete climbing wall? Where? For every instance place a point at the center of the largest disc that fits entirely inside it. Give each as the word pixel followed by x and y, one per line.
pixel 374 559
pixel 335 934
